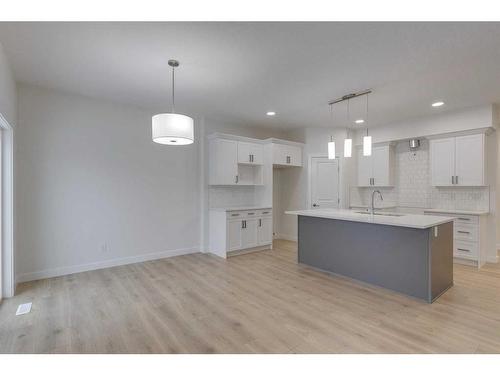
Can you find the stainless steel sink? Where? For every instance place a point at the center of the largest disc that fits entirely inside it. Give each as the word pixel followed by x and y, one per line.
pixel 379 213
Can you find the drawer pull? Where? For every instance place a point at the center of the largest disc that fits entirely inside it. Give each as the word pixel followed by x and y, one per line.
pixel 464 232
pixel 251 213
pixel 265 212
pixel 464 218
pixel 235 214
pixel 466 250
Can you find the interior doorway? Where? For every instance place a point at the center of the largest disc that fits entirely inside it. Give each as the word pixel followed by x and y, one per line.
pixel 7 282
pixel 324 183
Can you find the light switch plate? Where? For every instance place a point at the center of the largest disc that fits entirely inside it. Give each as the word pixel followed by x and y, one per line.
pixel 24 308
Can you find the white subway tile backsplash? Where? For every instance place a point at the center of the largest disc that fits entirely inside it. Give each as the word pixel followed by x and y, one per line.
pixel 413 187
pixel 230 196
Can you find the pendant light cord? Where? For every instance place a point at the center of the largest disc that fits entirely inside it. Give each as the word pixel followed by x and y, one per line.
pixel 367 95
pixel 173 89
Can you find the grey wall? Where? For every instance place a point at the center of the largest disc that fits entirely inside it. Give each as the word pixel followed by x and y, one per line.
pixel 8 94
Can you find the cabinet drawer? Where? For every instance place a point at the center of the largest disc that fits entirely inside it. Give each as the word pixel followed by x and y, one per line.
pixel 464 249
pixel 234 214
pixel 465 232
pixel 466 219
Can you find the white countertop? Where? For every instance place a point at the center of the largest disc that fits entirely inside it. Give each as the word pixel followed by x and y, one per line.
pixel 456 212
pixel 406 220
pixel 241 208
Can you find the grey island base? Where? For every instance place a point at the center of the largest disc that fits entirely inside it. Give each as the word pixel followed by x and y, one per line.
pixel 416 260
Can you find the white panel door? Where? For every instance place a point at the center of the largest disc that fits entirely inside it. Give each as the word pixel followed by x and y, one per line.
pixel 469 160
pixel 249 233
pixel 223 162
pixel 381 166
pixel 234 234
pixel 442 154
pixel 265 231
pixel 325 183
pixel 365 169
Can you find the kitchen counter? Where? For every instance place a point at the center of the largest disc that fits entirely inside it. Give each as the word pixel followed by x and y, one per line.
pixel 401 220
pixel 410 254
pixel 241 208
pixel 456 212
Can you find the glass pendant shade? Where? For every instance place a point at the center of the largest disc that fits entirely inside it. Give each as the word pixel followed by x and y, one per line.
pixel 367 145
pixel 347 148
pixel 172 129
pixel 331 150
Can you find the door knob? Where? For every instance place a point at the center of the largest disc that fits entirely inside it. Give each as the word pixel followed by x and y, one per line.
pixel 315 205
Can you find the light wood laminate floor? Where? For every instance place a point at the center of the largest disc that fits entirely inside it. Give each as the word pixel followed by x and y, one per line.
pixel 255 303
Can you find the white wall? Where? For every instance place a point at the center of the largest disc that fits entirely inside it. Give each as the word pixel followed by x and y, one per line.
pixel 8 93
pixel 94 190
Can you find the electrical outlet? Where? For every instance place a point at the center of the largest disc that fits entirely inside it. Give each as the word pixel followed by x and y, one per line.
pixel 104 247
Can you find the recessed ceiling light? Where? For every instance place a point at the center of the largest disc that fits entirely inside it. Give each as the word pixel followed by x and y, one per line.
pixel 360 121
pixel 271 113
pixel 437 104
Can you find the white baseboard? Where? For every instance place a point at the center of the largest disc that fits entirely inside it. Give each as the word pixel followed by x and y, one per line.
pixel 492 259
pixel 287 237
pixel 61 271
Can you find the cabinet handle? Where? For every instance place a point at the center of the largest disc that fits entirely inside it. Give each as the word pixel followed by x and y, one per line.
pixel 456 180
pixel 288 159
pixel 260 222
pixel 236 179
pixel 265 212
pixel 462 231
pixel 466 250
pixel 464 218
pixel 243 224
pixel 235 214
pixel 251 213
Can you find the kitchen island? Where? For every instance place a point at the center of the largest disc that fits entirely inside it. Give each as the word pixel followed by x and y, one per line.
pixel 410 254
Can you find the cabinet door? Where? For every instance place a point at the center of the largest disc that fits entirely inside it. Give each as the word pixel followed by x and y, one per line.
pixel 442 154
pixel 381 166
pixel 234 234
pixel 257 152
pixel 244 152
pixel 223 164
pixel 295 155
pixel 365 168
pixel 279 154
pixel 249 233
pixel 469 160
pixel 265 231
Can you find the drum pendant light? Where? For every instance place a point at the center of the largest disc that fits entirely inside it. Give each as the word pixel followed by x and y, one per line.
pixel 172 128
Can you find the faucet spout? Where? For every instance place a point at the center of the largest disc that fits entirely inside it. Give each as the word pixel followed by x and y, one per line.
pixel 373 199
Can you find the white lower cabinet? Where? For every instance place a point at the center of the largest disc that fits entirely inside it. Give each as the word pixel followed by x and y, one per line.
pixel 265 231
pixel 240 230
pixel 469 237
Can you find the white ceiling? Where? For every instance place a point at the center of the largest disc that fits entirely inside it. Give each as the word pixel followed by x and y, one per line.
pixel 237 71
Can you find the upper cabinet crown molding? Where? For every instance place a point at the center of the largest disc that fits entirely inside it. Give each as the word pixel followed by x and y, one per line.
pixel 458 161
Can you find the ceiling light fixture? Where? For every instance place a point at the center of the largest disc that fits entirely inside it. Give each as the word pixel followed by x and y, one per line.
pixel 360 121
pixel 271 113
pixel 437 104
pixel 172 128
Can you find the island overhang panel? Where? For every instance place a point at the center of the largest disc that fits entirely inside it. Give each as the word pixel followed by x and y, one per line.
pixel 414 261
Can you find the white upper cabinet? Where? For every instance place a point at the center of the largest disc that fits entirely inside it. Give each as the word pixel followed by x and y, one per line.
pixel 250 153
pixel 376 170
pixel 442 154
pixel 223 163
pixel 469 160
pixel 287 155
pixel 458 161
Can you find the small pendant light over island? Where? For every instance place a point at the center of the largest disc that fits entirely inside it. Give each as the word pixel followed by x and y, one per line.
pixel 172 128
